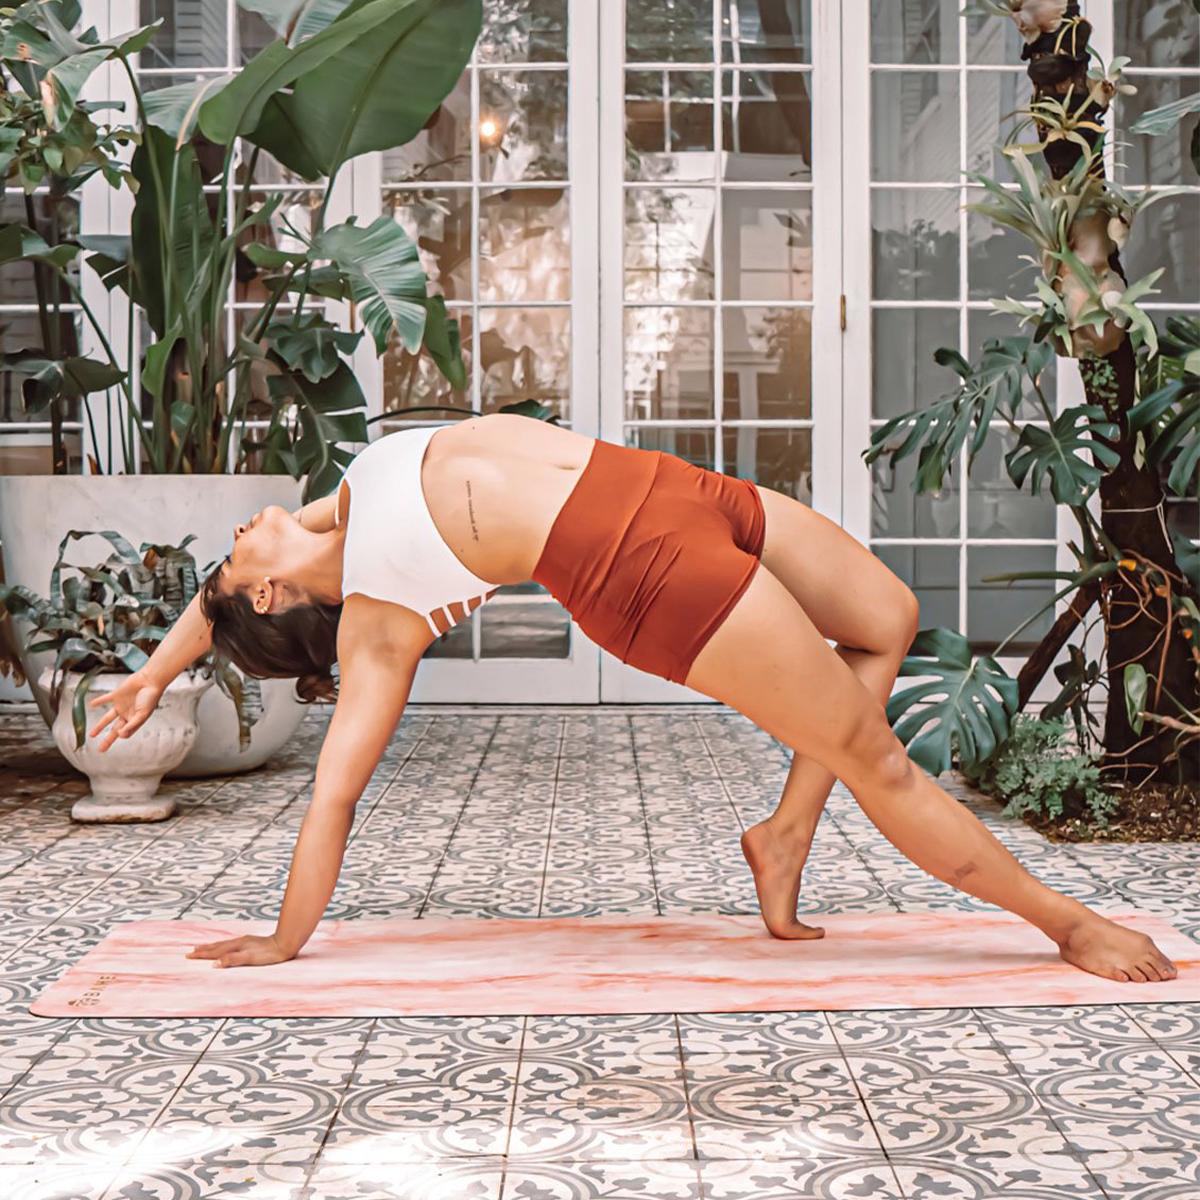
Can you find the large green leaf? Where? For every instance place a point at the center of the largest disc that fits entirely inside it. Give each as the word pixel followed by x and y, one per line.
pixel 237 109
pixel 385 276
pixel 175 236
pixel 175 110
pixel 378 90
pixel 968 704
pixel 51 379
pixel 19 243
pixel 297 19
pixel 1064 453
pixel 443 340
pixel 939 430
pixel 1162 120
pixel 314 348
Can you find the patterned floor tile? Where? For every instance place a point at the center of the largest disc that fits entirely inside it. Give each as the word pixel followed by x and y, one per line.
pixel 638 1180
pixel 799 1179
pixel 976 1179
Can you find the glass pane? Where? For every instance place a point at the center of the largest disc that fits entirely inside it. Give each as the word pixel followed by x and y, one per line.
pixel 668 30
pixel 668 364
pixel 768 363
pixel 1167 234
pixel 668 124
pixel 668 244
pixel 993 40
pixel 268 170
pixel 152 83
pixel 899 512
pixel 994 610
pixel 766 118
pixel 523 31
pixel 524 251
pixel 694 445
pixel 915 244
pixel 1158 33
pixel 992 99
pixel 767 245
pixel 24 453
pixel 413 380
pixel 525 354
pixel 521 626
pixel 254 34
pixel 903 372
pixel 932 573
pixel 914 125
pixel 995 507
pixel 440 223
pixel 983 324
pixel 192 34
pixel 442 150
pixel 522 125
pixel 777 31
pixel 1165 159
pixel 454 643
pixel 994 258
pixel 775 458
pixel 914 31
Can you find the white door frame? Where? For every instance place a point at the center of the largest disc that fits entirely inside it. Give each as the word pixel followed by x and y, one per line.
pixel 620 683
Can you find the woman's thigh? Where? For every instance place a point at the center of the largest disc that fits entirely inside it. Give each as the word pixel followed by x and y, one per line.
pixel 849 595
pixel 769 661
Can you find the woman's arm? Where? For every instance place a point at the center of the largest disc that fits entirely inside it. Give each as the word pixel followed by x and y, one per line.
pixel 376 676
pixel 318 515
pixel 132 703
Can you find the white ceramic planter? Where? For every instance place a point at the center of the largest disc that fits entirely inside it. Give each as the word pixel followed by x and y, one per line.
pixel 36 511
pixel 125 777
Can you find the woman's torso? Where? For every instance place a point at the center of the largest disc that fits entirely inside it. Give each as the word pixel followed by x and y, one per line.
pixel 494 485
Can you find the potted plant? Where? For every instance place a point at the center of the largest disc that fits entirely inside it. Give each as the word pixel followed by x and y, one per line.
pixel 275 408
pixel 100 622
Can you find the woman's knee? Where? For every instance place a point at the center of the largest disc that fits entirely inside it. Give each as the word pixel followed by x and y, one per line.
pixel 873 756
pixel 902 616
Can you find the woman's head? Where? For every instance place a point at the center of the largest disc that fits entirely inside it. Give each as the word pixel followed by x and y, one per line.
pixel 264 616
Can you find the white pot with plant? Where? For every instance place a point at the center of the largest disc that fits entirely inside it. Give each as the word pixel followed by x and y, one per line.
pixel 101 623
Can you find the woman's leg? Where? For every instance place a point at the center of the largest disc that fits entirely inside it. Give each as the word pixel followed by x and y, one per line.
pixel 769 661
pixel 852 598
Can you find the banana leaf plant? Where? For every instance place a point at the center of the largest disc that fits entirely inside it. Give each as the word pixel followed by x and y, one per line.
pixel 1133 443
pixel 343 78
pixel 110 616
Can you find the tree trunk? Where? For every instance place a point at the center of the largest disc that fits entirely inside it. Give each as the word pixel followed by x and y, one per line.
pixel 1138 618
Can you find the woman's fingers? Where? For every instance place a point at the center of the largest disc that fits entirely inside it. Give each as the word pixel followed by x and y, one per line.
pixel 106 720
pixel 212 949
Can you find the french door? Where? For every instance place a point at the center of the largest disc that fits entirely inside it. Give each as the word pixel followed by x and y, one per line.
pixel 720 248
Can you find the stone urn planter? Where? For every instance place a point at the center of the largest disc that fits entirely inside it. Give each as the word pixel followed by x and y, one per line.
pixel 36 511
pixel 125 777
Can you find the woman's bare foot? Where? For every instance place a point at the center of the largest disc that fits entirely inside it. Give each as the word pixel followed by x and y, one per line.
pixel 1110 950
pixel 777 866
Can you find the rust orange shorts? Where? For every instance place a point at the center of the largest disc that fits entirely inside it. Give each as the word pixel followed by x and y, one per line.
pixel 650 553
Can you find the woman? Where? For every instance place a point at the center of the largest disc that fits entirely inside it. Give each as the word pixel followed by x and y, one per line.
pixel 727 587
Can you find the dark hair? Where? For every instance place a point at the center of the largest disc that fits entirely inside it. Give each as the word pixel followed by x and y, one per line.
pixel 300 642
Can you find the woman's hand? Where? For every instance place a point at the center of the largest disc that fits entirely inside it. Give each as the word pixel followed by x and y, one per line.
pixel 248 951
pixel 130 706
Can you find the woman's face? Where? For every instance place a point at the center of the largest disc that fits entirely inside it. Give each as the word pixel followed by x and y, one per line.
pixel 265 551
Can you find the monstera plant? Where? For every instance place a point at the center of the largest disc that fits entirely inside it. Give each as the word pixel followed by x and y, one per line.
pixel 1111 461
pixel 344 77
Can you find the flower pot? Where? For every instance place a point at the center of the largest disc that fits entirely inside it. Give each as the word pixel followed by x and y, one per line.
pixel 36 511
pixel 125 777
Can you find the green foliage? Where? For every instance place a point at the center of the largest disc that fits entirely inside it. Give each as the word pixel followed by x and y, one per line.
pixel 346 76
pixel 1169 416
pixel 111 616
pixel 1037 772
pixel 966 705
pixel 1064 454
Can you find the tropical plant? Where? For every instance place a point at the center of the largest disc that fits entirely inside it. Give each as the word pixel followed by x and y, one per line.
pixel 1036 771
pixel 1110 461
pixel 110 617
pixel 343 78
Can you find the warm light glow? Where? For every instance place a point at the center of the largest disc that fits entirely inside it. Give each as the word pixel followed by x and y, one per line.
pixel 488 129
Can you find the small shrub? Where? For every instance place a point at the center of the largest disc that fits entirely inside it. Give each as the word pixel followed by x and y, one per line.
pixel 1037 772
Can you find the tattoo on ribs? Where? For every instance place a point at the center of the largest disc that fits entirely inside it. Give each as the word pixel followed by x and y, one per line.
pixel 471 512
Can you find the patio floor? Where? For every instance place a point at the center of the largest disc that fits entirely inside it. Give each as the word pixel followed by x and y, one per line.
pixel 532 812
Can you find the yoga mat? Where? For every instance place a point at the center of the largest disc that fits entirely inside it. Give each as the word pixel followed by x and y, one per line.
pixel 452 967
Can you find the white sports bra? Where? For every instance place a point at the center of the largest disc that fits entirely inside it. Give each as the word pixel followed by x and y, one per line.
pixel 393 550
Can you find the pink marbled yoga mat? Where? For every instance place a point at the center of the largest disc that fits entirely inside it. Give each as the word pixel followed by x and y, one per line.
pixel 450 967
